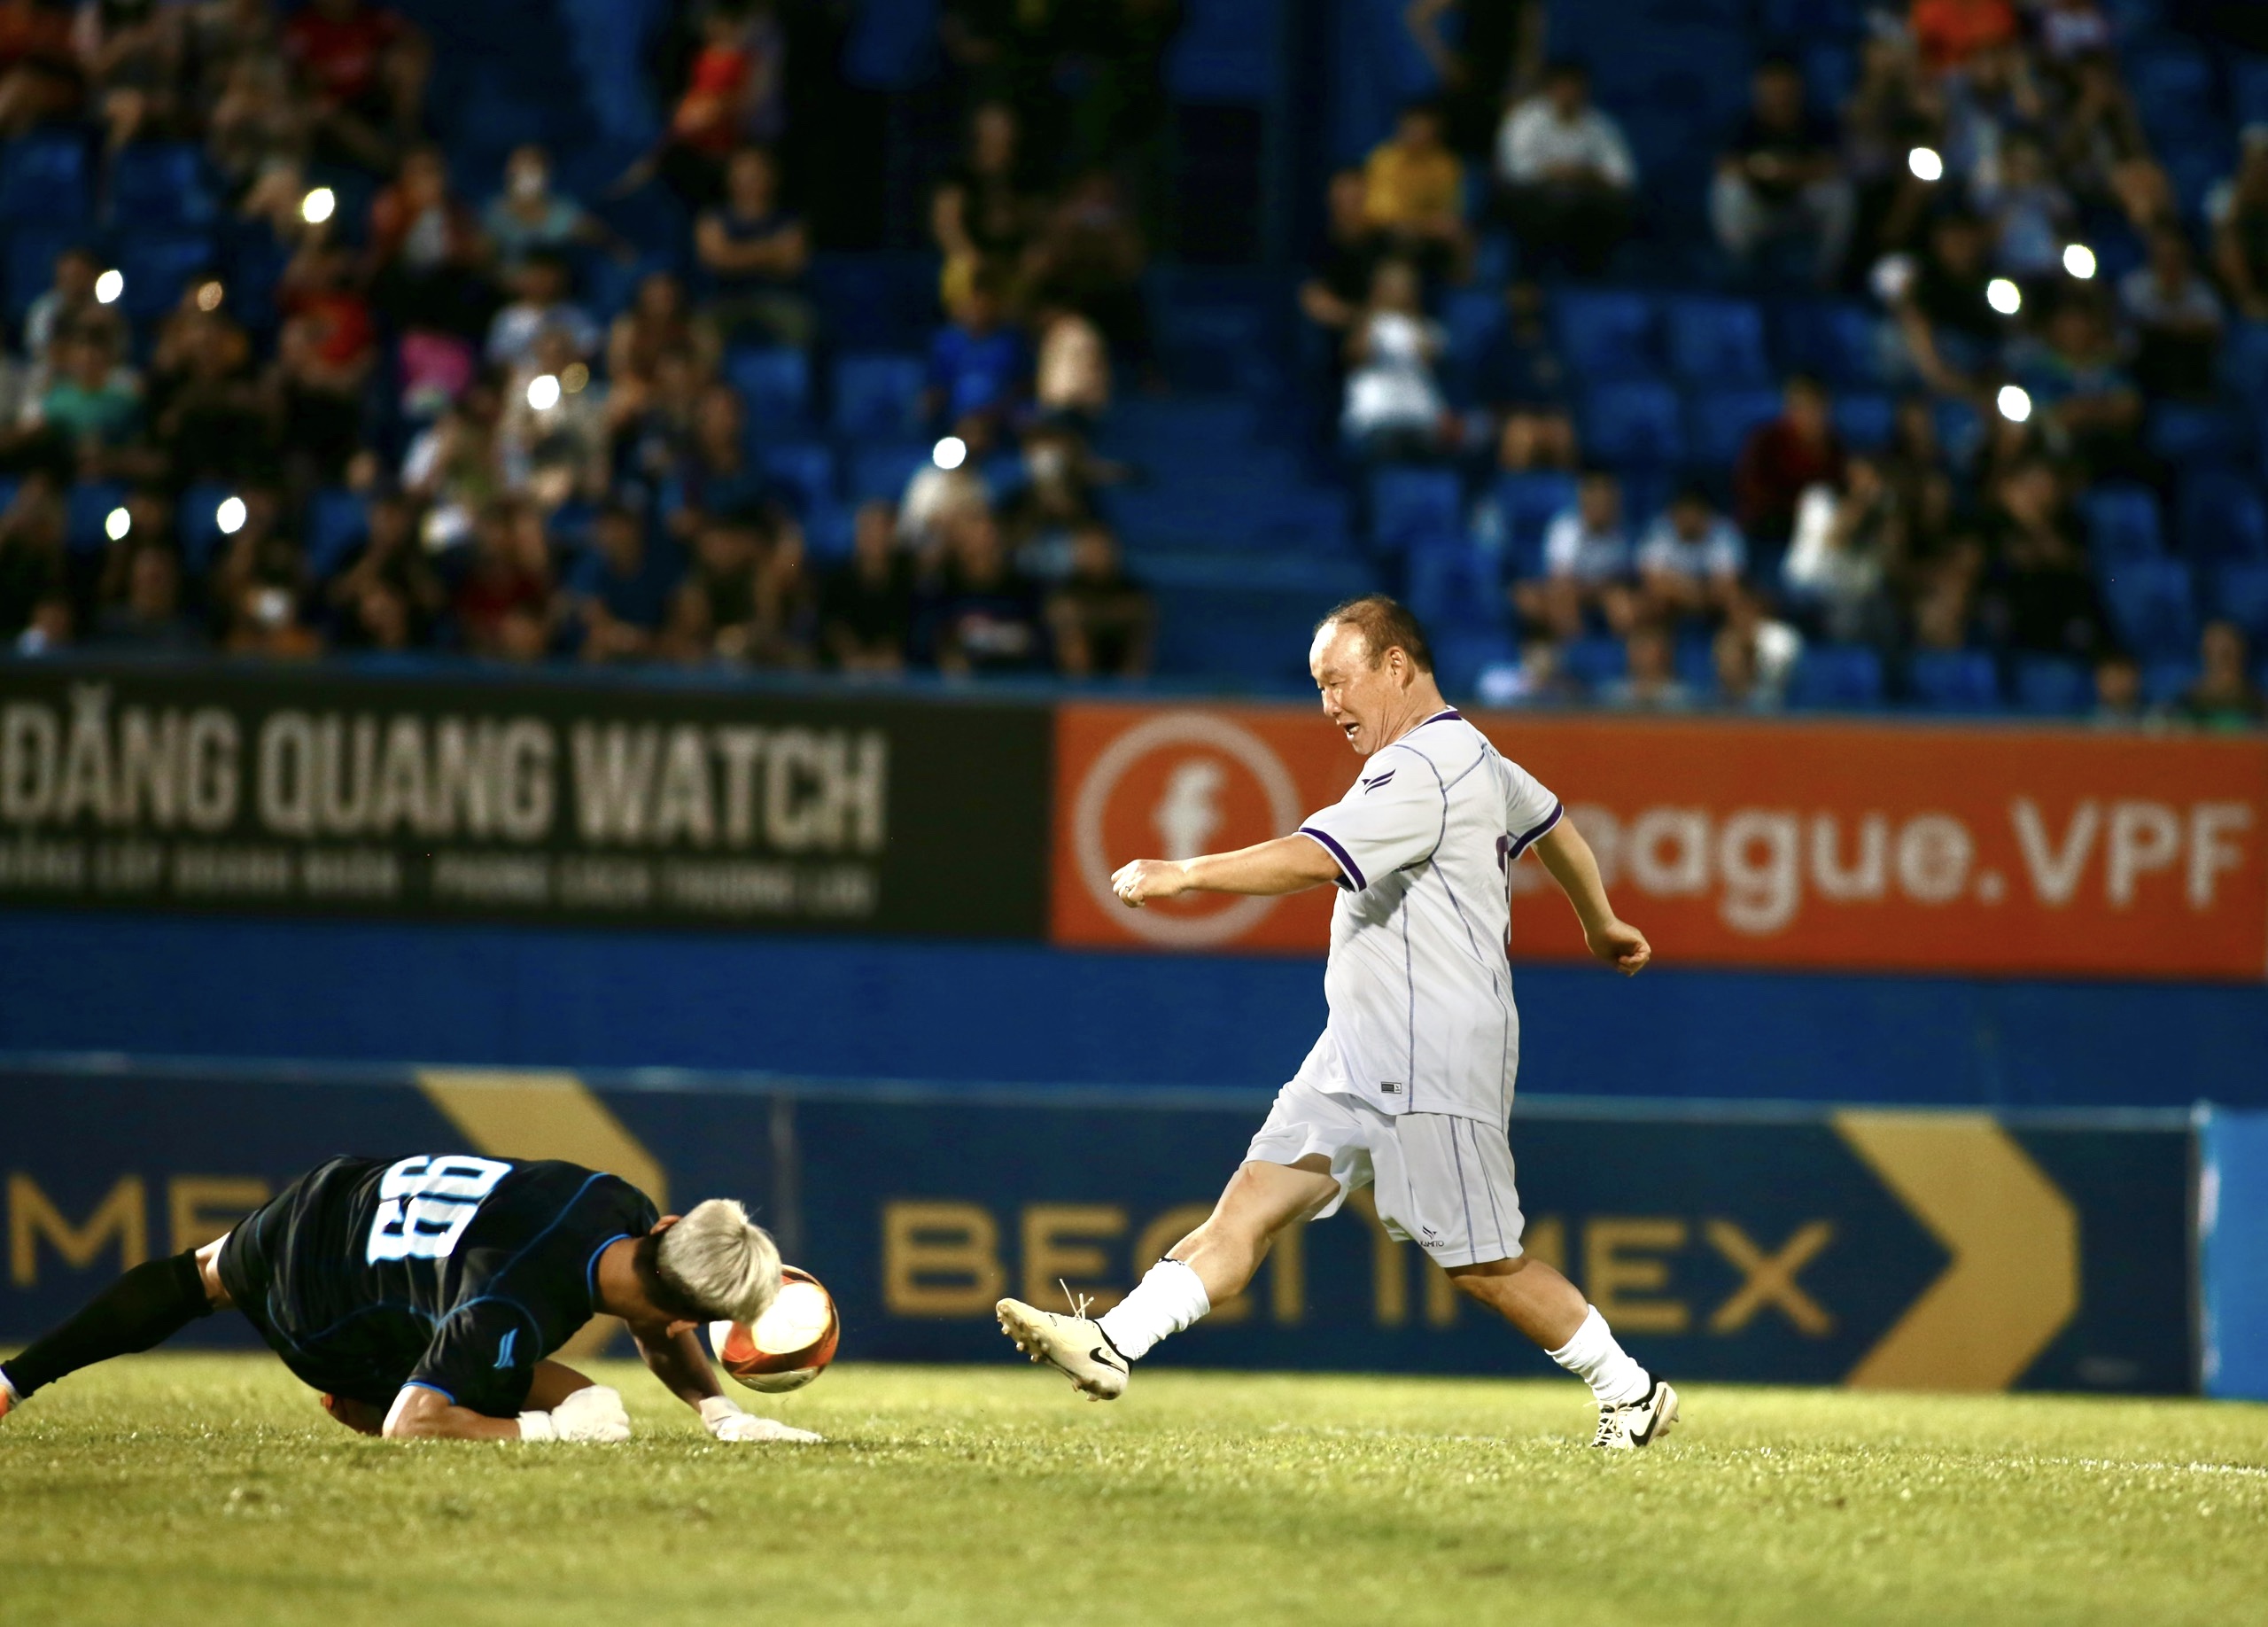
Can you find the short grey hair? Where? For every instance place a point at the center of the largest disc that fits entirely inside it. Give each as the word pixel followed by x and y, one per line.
pixel 720 1262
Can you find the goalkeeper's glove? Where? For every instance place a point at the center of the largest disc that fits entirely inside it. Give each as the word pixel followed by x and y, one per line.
pixel 722 1417
pixel 591 1414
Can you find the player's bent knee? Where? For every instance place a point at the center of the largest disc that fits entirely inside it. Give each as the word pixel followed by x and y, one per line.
pixel 208 1272
pixel 1477 1277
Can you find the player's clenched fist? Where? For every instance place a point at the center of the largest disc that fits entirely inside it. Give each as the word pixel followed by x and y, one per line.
pixel 1136 883
pixel 595 1414
pixel 1622 945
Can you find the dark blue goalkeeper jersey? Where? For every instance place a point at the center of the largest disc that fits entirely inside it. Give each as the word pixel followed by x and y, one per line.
pixel 452 1271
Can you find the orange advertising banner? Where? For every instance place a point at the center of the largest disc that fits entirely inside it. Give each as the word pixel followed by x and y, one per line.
pixel 1884 847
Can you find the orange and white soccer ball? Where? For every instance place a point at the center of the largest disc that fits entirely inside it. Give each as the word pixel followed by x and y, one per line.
pixel 789 1345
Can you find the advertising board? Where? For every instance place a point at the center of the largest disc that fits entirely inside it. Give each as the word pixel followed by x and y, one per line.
pixel 1894 1249
pixel 1842 845
pixel 324 793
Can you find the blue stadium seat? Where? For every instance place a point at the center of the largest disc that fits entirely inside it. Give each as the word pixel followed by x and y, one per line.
pixel 2222 516
pixel 1410 506
pixel 1795 19
pixel 1471 318
pixel 883 471
pixel 44 179
pixel 806 468
pixel 2154 604
pixel 2172 85
pixel 1461 654
pixel 1840 341
pixel 2185 433
pixel 2122 524
pixel 876 302
pixel 606 287
pixel 829 528
pixel 1526 503
pixel 197 522
pixel 2244 361
pixel 1954 680
pixel 1837 678
pixel 1961 430
pixel 2240 594
pixel 1830 71
pixel 1633 423
pixel 1594 660
pixel 1452 584
pixel 1715 341
pixel 2193 166
pixel 1693 13
pixel 85 508
pixel 1661 141
pixel 1866 420
pixel 158 265
pixel 2166 682
pixel 1719 421
pixel 878 394
pixel 160 184
pixel 775 382
pixel 2248 87
pixel 1698 72
pixel 253 270
pixel 1605 337
pixel 2053 686
pixel 337 521
pixel 30 269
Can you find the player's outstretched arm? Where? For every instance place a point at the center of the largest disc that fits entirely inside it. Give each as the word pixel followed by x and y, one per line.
pixel 680 1364
pixel 420 1413
pixel 1575 868
pixel 593 1412
pixel 1288 864
pixel 678 1360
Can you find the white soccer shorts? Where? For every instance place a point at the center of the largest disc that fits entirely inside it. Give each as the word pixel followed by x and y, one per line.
pixel 1443 1183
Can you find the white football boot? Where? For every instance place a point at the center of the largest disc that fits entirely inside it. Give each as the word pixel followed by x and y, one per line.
pixel 1637 1423
pixel 8 1400
pixel 1074 1345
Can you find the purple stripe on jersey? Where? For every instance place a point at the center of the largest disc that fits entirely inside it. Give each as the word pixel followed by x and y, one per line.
pixel 1446 711
pixel 1520 843
pixel 1354 871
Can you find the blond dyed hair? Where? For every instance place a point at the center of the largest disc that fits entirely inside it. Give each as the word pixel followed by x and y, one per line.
pixel 719 1262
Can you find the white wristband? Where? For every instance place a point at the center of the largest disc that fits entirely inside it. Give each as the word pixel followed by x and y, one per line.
pixel 538 1426
pixel 718 1406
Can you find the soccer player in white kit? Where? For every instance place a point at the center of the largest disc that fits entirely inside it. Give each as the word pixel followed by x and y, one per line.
pixel 1409 1089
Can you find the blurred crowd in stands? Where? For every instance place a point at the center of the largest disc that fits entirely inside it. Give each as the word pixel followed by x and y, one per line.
pixel 1965 400
pixel 290 380
pixel 1929 367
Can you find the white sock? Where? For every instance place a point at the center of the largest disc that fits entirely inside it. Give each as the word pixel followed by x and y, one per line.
pixel 1167 1299
pixel 1594 1357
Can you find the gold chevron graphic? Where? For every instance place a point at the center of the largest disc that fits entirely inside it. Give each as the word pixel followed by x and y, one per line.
pixel 546 1116
pixel 2014 1280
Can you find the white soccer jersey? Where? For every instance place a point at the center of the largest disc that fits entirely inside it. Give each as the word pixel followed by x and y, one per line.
pixel 1420 991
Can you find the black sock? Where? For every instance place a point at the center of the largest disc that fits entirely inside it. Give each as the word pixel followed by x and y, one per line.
pixel 146 1307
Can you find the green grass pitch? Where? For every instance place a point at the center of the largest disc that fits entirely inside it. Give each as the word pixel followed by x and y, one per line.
pixel 178 1489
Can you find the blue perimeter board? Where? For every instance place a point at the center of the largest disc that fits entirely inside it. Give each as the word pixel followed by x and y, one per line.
pixel 1747 1242
pixel 977 1012
pixel 2233 1250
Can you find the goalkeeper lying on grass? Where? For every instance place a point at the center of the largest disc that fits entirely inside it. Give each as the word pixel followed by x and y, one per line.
pixel 422 1297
